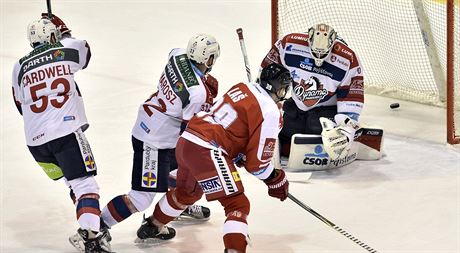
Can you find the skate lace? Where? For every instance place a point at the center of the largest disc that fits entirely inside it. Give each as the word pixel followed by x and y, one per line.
pixel 195 209
pixel 163 230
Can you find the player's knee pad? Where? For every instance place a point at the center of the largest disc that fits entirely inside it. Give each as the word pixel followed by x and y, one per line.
pixel 236 207
pixel 84 185
pixel 141 200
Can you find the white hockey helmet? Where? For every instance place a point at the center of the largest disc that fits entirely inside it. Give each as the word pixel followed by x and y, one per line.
pixel 321 38
pixel 41 31
pixel 201 48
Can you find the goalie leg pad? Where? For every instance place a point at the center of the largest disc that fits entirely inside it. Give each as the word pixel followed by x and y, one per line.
pixel 308 154
pixel 370 143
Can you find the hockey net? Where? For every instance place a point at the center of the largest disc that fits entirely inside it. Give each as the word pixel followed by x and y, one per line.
pixel 406 47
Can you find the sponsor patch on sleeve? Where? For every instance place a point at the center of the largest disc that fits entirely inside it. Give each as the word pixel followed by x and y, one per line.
pixel 268 149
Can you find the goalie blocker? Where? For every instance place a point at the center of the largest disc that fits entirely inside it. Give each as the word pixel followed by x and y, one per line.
pixel 308 154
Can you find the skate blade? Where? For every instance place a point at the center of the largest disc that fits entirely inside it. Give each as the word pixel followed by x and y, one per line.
pixel 150 241
pixel 77 242
pixel 184 218
pixel 185 221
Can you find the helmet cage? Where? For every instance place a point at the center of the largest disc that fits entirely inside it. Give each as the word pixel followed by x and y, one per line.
pixel 321 39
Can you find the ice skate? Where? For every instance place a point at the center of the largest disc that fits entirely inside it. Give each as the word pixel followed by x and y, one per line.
pixel 149 233
pixel 77 241
pixel 83 243
pixel 195 212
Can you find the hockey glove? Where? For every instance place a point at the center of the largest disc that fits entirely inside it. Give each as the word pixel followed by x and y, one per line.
pixel 278 185
pixel 212 84
pixel 58 23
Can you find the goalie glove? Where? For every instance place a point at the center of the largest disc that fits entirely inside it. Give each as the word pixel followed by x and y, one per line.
pixel 338 137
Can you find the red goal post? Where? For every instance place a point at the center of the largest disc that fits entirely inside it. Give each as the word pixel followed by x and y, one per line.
pixel 410 49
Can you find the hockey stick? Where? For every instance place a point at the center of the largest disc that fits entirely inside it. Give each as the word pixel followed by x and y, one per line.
pixel 239 31
pixel 48 5
pixel 330 224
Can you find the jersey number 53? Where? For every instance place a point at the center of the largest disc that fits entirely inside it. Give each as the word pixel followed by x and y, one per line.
pixel 41 102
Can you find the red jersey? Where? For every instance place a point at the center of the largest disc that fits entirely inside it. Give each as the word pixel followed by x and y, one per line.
pixel 245 120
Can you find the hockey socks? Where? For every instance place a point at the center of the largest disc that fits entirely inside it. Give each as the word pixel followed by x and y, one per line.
pixel 88 212
pixel 117 210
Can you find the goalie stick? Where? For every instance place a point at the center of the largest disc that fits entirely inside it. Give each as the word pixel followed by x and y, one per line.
pixel 330 224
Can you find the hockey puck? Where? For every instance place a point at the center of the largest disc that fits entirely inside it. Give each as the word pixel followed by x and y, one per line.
pixel 394 105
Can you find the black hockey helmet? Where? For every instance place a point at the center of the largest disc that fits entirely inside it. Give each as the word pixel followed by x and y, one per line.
pixel 276 79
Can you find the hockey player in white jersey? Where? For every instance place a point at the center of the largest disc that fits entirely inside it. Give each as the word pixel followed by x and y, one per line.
pixel 328 84
pixel 185 88
pixel 51 104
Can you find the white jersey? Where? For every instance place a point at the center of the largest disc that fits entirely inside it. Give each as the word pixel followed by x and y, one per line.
pixel 45 89
pixel 338 81
pixel 181 93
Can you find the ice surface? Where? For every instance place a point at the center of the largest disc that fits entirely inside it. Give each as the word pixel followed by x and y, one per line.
pixel 407 202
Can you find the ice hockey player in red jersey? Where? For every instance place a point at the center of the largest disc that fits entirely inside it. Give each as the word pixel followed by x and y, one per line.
pixel 51 104
pixel 328 82
pixel 246 120
pixel 185 88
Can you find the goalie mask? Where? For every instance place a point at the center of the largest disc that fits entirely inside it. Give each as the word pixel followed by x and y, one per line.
pixel 203 47
pixel 321 38
pixel 41 32
pixel 276 80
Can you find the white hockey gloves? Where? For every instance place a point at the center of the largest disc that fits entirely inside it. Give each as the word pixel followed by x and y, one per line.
pixel 338 137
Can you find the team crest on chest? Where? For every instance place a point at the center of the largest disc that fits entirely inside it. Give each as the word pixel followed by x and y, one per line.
pixel 310 92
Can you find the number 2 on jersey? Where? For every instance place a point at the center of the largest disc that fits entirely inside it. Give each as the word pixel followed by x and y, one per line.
pixel 160 108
